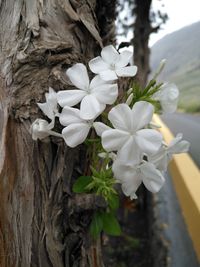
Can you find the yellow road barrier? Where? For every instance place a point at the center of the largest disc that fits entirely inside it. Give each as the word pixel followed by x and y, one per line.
pixel 186 178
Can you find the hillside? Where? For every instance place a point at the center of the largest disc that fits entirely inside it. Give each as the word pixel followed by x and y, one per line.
pixel 182 51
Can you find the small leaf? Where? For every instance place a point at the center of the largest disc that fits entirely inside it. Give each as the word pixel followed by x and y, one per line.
pixel 110 224
pixel 94 172
pixel 113 201
pixel 96 225
pixel 81 183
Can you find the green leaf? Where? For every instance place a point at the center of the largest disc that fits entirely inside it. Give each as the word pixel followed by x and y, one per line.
pixel 113 201
pixel 110 224
pixel 96 225
pixel 94 172
pixel 81 184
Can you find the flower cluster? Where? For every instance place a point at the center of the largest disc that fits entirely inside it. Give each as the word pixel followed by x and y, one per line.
pixel 132 149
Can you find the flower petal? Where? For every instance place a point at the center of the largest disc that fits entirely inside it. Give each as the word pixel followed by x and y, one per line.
pixel 113 140
pixel 78 76
pixel 70 97
pixel 106 93
pixel 75 134
pixel 47 110
pixel 169 107
pixel 91 108
pixel 181 147
pixel 160 159
pixel 130 154
pixel 142 113
pixel 152 178
pixel 69 116
pixel 129 177
pixel 121 117
pixel 40 129
pixel 96 82
pixel 129 188
pixel 168 97
pixel 100 127
pixel 124 58
pixel 110 54
pixel 129 71
pixel 123 172
pixel 148 140
pixel 108 75
pixel 97 65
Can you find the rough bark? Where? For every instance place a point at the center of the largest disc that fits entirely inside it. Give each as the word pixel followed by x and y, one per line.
pixel 142 31
pixel 41 222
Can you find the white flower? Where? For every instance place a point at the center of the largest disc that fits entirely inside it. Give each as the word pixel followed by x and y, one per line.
pixel 50 107
pixel 128 137
pixel 132 176
pixel 93 95
pixel 168 97
pixel 40 129
pixel 111 64
pixel 77 129
pixel 164 155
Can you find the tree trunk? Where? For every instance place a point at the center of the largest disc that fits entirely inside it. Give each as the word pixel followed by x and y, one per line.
pixel 42 224
pixel 142 31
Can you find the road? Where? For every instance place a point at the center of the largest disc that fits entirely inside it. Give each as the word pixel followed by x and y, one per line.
pixel 181 252
pixel 189 125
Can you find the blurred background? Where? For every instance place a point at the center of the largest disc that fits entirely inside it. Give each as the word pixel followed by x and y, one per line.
pixel 171 29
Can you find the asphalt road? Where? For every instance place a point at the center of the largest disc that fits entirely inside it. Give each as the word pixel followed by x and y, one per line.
pixel 181 252
pixel 189 125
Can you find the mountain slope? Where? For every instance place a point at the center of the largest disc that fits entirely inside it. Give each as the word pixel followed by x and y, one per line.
pixel 182 51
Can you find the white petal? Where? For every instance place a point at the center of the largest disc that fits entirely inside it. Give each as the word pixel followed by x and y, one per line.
pixel 75 134
pixel 160 159
pixel 100 128
pixel 91 108
pixel 47 110
pixel 78 76
pixel 148 140
pixel 168 96
pixel 142 113
pixel 40 129
pixel 97 65
pixel 152 178
pixel 177 145
pixel 121 117
pixel 108 75
pixel 169 107
pixel 123 172
pixel 106 93
pixel 169 91
pixel 181 147
pixel 128 176
pixel 96 82
pixel 51 96
pixel 113 140
pixel 129 71
pixel 110 54
pixel 130 188
pixel 130 154
pixel 162 164
pixel 70 97
pixel 124 58
pixel 69 116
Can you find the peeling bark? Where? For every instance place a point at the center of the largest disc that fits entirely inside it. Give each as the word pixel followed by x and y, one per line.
pixel 41 222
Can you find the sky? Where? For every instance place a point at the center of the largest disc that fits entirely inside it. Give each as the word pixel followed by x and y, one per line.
pixel 180 12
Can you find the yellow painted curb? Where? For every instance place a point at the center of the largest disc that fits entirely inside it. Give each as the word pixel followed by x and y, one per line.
pixel 186 178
